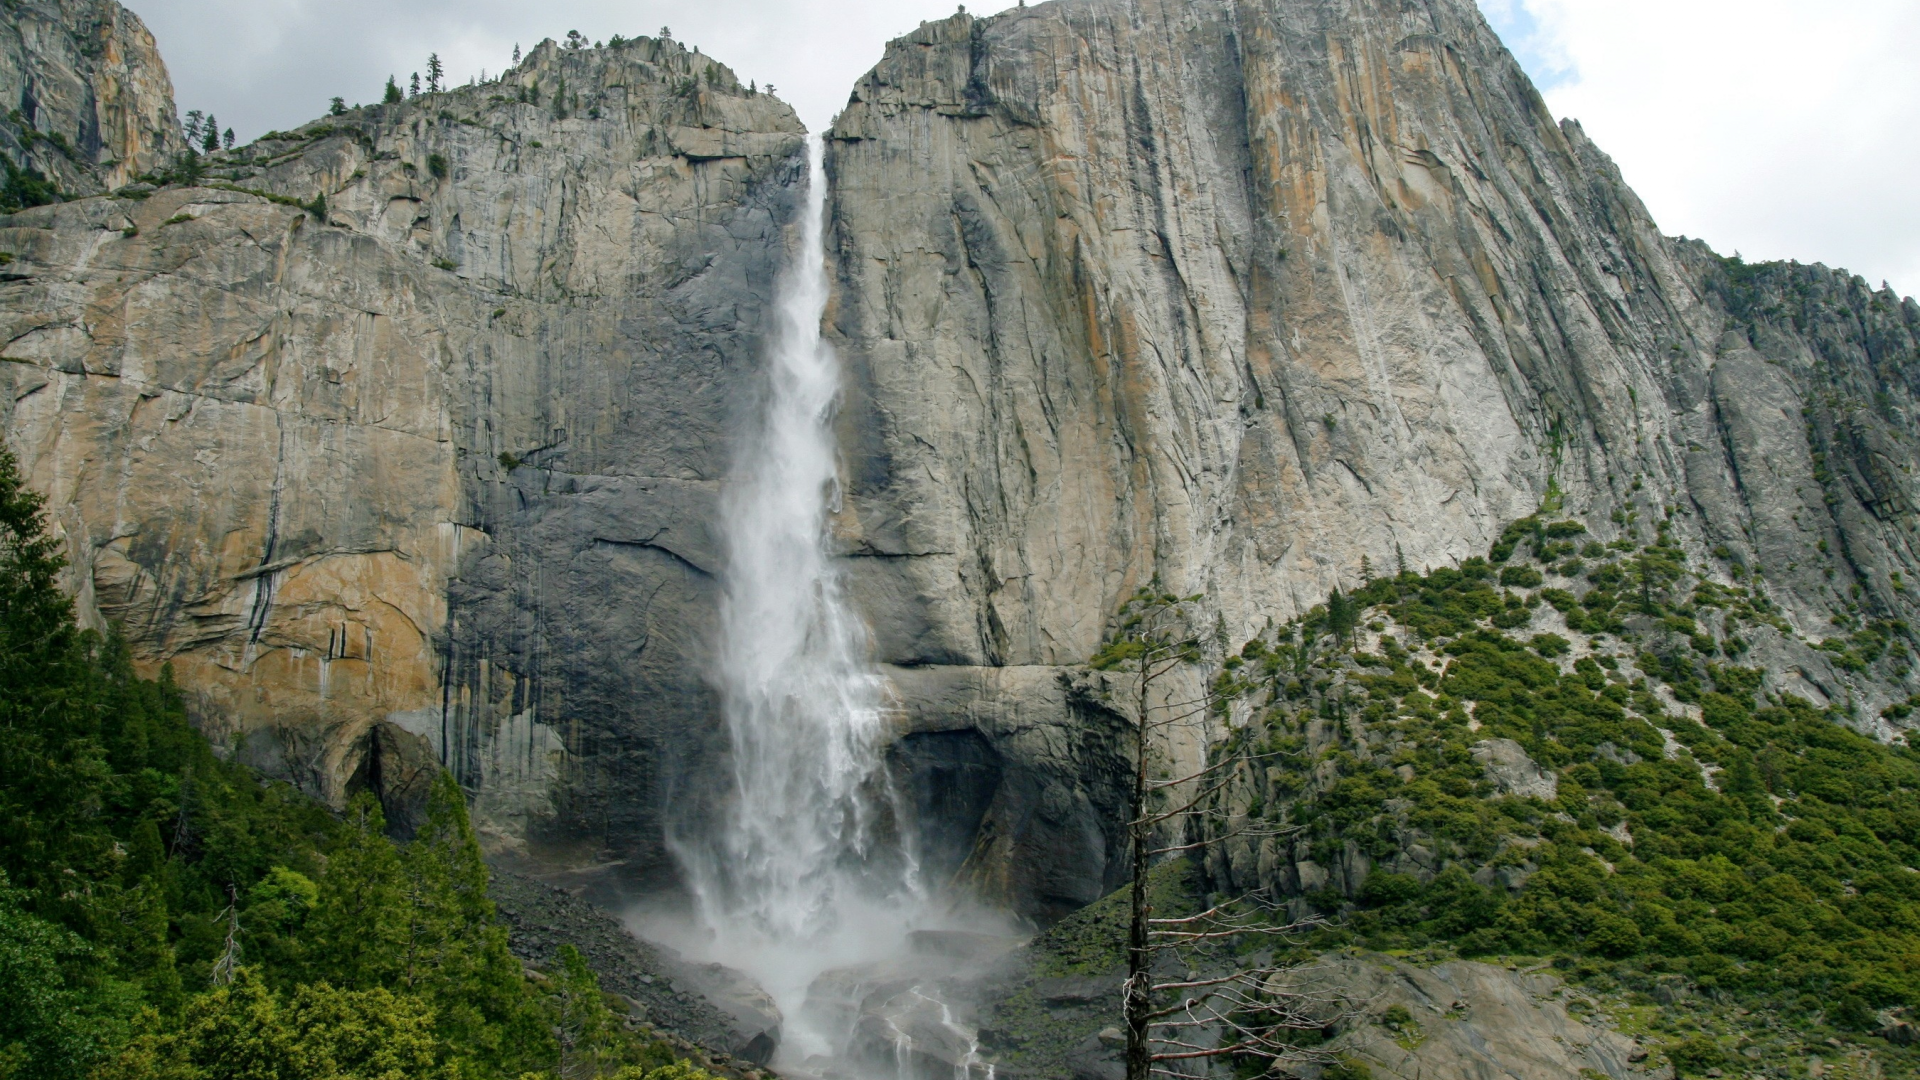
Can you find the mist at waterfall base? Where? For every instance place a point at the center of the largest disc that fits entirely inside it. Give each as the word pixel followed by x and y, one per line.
pixel 808 871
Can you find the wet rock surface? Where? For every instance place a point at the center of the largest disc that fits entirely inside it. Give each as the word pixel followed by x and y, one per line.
pixel 913 1016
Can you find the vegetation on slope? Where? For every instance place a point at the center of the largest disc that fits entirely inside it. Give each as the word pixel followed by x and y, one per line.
pixel 1705 841
pixel 167 914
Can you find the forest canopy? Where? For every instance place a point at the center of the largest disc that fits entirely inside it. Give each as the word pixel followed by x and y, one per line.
pixel 166 914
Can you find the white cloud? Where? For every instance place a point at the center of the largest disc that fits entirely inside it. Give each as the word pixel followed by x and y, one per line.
pixel 1778 128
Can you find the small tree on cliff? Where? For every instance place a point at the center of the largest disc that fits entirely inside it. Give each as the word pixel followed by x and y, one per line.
pixel 1248 1014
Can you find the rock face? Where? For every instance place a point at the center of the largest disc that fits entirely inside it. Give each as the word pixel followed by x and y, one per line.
pixel 1512 772
pixel 421 471
pixel 1471 1020
pixel 398 435
pixel 1053 1010
pixel 88 99
pixel 1251 298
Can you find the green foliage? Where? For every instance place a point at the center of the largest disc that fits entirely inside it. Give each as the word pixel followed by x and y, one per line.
pixel 437 165
pixel 1764 852
pixel 25 188
pixel 1145 629
pixel 1093 939
pixel 679 1070
pixel 1695 1054
pixel 1550 645
pixel 50 1027
pixel 128 852
pixel 317 1032
pixel 392 95
pixel 1342 615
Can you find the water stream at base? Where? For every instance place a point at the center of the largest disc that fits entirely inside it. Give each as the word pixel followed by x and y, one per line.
pixel 805 875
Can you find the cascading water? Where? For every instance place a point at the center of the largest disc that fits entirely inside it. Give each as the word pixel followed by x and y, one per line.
pixel 798 878
pixel 803 707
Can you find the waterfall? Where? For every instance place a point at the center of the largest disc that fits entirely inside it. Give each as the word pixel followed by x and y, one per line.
pixel 798 878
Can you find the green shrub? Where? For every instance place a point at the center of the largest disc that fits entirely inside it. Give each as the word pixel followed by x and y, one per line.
pixel 1521 577
pixel 1383 888
pixel 25 188
pixel 1550 645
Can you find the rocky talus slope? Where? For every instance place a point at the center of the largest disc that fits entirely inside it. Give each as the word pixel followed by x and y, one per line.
pixel 87 101
pixel 706 1004
pixel 396 435
pixel 1255 298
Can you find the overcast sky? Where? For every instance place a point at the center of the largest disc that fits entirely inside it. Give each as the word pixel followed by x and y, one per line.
pixel 1776 128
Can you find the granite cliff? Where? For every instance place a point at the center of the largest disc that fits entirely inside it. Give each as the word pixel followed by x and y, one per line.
pixel 398 434
pixel 1262 298
pixel 89 104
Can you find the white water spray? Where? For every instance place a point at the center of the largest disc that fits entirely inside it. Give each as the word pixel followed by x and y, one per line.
pixel 797 880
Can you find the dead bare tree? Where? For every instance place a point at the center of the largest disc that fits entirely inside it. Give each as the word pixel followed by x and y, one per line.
pixel 1250 1012
pixel 228 965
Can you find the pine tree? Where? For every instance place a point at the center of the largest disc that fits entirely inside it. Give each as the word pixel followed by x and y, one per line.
pixel 413 87
pixel 393 95
pixel 587 1028
pixel 454 951
pixel 226 139
pixel 50 759
pixel 210 139
pixel 516 53
pixel 191 128
pixel 337 107
pixel 434 72
pixel 360 920
pixel 1342 615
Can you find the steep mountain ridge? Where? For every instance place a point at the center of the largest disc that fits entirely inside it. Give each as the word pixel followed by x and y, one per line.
pixel 398 435
pixel 89 104
pixel 1257 299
